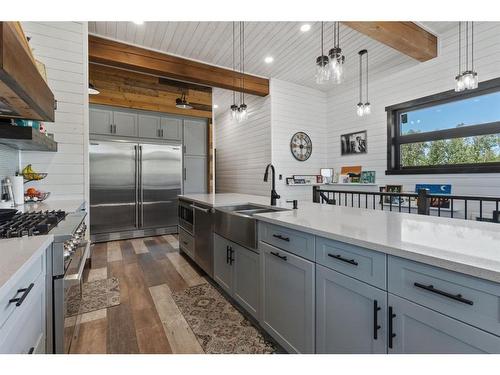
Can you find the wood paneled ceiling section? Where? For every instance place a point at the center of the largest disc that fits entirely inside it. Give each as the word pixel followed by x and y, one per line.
pixel 129 89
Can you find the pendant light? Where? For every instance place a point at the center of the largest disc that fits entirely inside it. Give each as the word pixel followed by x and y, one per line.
pixel 467 79
pixel 234 107
pixel 322 68
pixel 242 109
pixel 363 109
pixel 337 59
pixel 93 90
pixel 182 102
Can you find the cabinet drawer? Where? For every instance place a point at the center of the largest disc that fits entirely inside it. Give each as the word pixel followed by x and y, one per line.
pixel 28 277
pixel 24 331
pixel 471 300
pixel 296 242
pixel 362 264
pixel 186 242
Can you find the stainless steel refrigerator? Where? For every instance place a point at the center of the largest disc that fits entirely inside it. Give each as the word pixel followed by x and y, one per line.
pixel 134 189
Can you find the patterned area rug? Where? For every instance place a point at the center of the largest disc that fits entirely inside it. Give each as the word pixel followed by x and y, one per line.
pixel 219 327
pixel 96 295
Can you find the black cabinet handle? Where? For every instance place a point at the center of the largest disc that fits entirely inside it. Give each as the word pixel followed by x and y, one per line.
pixel 339 257
pixel 456 297
pixel 391 333
pixel 231 252
pixel 376 326
pixel 227 254
pixel 279 256
pixel 280 237
pixel 25 292
pixel 32 349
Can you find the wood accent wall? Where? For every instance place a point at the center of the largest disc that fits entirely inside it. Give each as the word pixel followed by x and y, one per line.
pixel 124 88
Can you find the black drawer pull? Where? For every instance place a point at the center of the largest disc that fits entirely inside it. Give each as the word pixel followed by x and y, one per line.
pixel 280 237
pixel 32 349
pixel 376 326
pixel 339 257
pixel 279 256
pixel 456 297
pixel 25 292
pixel 231 252
pixel 227 254
pixel 391 333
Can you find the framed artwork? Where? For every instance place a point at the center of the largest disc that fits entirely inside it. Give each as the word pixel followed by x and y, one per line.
pixel 353 143
pixel 444 189
pixel 327 174
pixel 368 177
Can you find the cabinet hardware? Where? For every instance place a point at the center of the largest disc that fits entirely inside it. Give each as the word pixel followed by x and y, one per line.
pixel 280 237
pixel 32 349
pixel 184 170
pixel 161 130
pixel 111 128
pixel 158 133
pixel 391 334
pixel 205 210
pixel 25 292
pixel 339 257
pixel 231 252
pixel 376 326
pixel 227 254
pixel 456 297
pixel 279 256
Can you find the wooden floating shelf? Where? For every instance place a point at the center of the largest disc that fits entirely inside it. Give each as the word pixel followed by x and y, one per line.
pixel 26 138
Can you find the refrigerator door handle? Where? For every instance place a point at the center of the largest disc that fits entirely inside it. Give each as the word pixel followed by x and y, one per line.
pixel 141 189
pixel 136 149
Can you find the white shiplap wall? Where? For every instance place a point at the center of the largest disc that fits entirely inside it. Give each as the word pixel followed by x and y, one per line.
pixel 243 149
pixel 62 47
pixel 427 78
pixel 297 108
pixel 9 161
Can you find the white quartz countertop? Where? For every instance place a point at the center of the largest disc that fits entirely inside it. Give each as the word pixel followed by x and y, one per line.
pixel 17 253
pixel 70 205
pixel 464 246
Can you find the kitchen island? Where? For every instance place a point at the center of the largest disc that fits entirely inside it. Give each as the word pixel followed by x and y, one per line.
pixel 344 280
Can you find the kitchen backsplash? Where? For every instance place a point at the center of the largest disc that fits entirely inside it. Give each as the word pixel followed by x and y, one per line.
pixel 9 161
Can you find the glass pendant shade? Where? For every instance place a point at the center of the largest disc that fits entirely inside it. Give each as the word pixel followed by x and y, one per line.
pixel 367 109
pixel 360 110
pixel 466 79
pixel 322 70
pixel 242 112
pixel 234 111
pixel 336 65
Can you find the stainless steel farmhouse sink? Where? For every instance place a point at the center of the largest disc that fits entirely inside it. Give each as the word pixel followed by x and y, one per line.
pixel 236 223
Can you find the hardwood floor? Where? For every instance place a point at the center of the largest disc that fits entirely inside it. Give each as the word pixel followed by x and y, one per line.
pixel 147 319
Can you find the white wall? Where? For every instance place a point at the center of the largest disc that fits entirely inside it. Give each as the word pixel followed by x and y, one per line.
pixel 297 108
pixel 427 78
pixel 62 47
pixel 243 149
pixel 9 160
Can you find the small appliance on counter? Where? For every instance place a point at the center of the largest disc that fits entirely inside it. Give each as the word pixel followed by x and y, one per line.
pixel 7 195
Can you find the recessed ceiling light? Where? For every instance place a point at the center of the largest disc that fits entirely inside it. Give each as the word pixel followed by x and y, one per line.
pixel 138 22
pixel 305 27
pixel 269 59
pixel 216 106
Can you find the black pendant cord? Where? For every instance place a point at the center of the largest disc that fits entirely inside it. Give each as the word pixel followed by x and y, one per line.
pixel 367 77
pixel 234 66
pixel 322 54
pixel 241 81
pixel 459 47
pixel 472 45
pixel 467 45
pixel 360 78
pixel 243 64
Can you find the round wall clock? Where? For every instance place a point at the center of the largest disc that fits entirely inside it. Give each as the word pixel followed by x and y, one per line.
pixel 301 146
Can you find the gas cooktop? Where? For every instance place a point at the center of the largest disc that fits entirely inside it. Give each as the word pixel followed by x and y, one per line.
pixel 30 223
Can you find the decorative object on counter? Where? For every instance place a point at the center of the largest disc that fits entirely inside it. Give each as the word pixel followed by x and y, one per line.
pixel 33 195
pixel 30 175
pixel 363 109
pixel 327 174
pixel 301 146
pixel 445 189
pixel 466 79
pixel 322 68
pixel 353 143
pixel 337 58
pixel 219 327
pixel 367 177
pixel 18 189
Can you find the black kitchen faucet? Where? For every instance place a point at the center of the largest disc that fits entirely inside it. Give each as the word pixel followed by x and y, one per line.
pixel 274 194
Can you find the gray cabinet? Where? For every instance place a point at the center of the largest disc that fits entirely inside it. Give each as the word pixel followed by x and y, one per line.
pixel 287 298
pixel 195 137
pixel 236 270
pixel 419 330
pixel 112 122
pixel 195 174
pixel 149 126
pixel 171 128
pixel 125 123
pixel 100 121
pixel 350 315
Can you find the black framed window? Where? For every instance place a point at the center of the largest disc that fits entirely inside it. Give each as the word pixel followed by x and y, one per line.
pixel 448 132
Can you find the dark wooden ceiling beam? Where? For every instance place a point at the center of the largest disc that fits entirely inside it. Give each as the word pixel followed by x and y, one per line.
pixel 117 54
pixel 405 37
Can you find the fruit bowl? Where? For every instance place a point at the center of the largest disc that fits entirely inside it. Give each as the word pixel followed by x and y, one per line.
pixel 30 175
pixel 33 195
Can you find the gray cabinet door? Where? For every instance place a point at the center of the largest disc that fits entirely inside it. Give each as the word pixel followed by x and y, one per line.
pixel 347 314
pixel 195 137
pixel 125 123
pixel 171 128
pixel 419 330
pixel 246 279
pixel 100 121
pixel 287 298
pixel 223 270
pixel 195 174
pixel 149 126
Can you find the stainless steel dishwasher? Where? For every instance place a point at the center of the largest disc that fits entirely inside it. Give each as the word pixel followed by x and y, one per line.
pixel 203 237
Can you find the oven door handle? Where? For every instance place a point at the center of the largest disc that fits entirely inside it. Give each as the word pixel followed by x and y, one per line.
pixel 78 276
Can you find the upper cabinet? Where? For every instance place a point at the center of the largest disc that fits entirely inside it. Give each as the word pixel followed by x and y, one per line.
pixel 23 91
pixel 195 137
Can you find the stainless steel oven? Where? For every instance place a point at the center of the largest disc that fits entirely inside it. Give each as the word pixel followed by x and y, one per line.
pixel 186 216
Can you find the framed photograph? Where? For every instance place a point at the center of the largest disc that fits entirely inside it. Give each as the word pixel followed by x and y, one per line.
pixel 393 189
pixel 368 177
pixel 353 143
pixel 290 181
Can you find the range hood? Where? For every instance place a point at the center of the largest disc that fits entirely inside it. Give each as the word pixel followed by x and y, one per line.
pixel 23 91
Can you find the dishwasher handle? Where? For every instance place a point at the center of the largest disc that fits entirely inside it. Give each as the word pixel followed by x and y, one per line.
pixel 205 210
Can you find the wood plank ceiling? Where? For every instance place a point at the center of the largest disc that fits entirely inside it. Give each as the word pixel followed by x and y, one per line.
pixel 294 52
